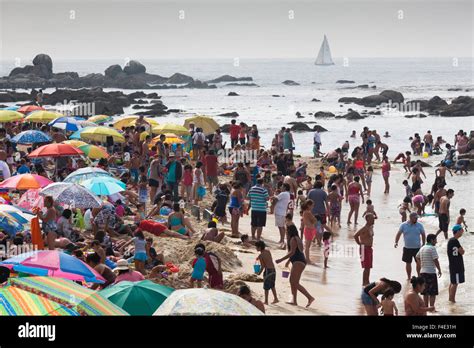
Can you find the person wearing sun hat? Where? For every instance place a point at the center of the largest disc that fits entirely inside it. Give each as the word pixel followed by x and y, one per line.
pixel 456 262
pixel 125 273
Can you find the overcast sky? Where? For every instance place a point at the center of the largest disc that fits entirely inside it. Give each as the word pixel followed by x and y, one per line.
pixel 229 28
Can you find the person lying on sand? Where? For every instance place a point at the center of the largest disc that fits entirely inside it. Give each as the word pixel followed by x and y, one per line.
pixel 158 229
pixel 245 293
pixel 212 233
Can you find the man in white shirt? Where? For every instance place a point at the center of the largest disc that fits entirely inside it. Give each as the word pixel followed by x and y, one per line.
pixel 281 207
pixel 5 170
pixel 428 257
pixel 316 144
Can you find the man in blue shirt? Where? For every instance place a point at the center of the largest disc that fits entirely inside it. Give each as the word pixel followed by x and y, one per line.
pixel 23 168
pixel 414 238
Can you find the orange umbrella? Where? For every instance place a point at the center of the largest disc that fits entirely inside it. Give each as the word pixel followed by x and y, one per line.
pixel 55 150
pixel 29 108
pixel 25 182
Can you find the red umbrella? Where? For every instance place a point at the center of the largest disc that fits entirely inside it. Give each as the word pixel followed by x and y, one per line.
pixel 25 182
pixel 29 108
pixel 56 150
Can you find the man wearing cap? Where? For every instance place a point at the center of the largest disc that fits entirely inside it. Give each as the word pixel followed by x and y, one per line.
pixel 456 262
pixel 412 230
pixel 175 172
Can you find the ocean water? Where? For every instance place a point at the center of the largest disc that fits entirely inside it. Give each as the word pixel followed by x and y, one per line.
pixel 416 78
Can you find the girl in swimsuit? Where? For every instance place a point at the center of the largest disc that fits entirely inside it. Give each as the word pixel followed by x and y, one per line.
pixel 386 173
pixel 334 199
pixel 309 223
pixel 354 192
pixel 298 261
pixel 176 221
pixel 404 207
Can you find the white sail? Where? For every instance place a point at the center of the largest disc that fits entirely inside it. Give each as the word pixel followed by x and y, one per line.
pixel 324 55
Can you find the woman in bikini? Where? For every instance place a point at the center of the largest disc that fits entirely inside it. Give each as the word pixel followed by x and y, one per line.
pixel 309 223
pixel 298 261
pixel 386 173
pixel 49 222
pixel 354 194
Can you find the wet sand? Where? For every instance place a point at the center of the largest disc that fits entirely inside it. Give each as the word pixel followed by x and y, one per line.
pixel 337 289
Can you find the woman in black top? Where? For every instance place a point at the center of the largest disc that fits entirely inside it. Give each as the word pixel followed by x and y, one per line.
pixel 375 289
pixel 298 261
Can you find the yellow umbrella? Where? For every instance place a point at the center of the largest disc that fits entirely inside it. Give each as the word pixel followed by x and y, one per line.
pixel 170 128
pixel 171 138
pixel 131 121
pixel 208 124
pixel 151 121
pixel 43 116
pixel 75 143
pixel 99 119
pixel 94 152
pixel 10 116
pixel 101 134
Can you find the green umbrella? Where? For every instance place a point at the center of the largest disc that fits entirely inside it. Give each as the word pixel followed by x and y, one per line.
pixel 137 298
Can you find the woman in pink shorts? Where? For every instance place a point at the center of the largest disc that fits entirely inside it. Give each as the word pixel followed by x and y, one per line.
pixel 309 227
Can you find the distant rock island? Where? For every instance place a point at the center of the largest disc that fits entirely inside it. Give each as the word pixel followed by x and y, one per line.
pixel 132 76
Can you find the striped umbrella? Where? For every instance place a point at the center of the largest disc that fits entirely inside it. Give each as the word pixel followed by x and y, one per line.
pixel 98 119
pixel 29 108
pixel 15 301
pixel 70 124
pixel 69 294
pixel 93 151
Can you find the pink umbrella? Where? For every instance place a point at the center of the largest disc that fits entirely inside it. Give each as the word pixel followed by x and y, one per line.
pixel 25 182
pixel 53 263
pixel 31 199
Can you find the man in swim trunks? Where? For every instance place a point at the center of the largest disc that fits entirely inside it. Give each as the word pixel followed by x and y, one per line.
pixel 365 238
pixel 443 216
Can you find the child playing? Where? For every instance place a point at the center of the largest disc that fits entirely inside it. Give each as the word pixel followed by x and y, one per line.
pixel 404 207
pixel 407 162
pixel 334 199
pixel 389 308
pixel 327 247
pixel 408 191
pixel 199 267
pixel 301 198
pixel 309 230
pixel 460 219
pixel 187 187
pixel 268 269
pixel 370 209
pixel 368 179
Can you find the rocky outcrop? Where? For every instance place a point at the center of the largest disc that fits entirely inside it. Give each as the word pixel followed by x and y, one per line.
pixel 232 94
pixel 290 83
pixel 345 81
pixel 323 114
pixel 229 78
pixel 134 67
pixel 460 106
pixel 416 116
pixel 387 96
pixel 319 128
pixel 178 79
pixel 352 115
pixel 300 127
pixel 230 114
pixel 315 100
pixel 348 100
pixel 113 70
pixel 242 84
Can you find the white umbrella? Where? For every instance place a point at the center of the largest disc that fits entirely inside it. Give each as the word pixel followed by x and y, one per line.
pixel 72 194
pixel 82 174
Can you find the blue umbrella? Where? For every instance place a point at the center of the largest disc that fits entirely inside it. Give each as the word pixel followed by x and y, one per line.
pixel 71 124
pixel 13 108
pixel 31 137
pixel 103 187
pixel 9 225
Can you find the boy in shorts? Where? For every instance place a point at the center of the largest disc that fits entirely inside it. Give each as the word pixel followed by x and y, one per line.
pixel 268 269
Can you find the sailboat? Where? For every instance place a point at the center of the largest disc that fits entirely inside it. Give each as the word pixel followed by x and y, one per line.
pixel 324 55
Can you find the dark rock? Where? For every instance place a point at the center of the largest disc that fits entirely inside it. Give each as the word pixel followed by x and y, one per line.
pixel 228 78
pixel 198 84
pixel 243 84
pixel 345 81
pixel 315 100
pixel 135 107
pixel 67 74
pixel 2 106
pixel 138 94
pixel 378 112
pixel 417 104
pixel 461 100
pixel 353 115
pixel 436 103
pixel 154 101
pixel 307 122
pixel 461 106
pixel 44 59
pixel 455 89
pixel 153 95
pixel 348 100
pixel 232 94
pixel 300 127
pixel 416 115
pixel 175 110
pixel 225 128
pixel 373 87
pixel 141 101
pixel 321 114
pixel 373 100
pixel 319 128
pixel 393 96
pixel 113 70
pixel 230 114
pixel 134 67
pixel 178 79
pixel 276 95
pixel 363 86
pixel 298 114
pixel 290 83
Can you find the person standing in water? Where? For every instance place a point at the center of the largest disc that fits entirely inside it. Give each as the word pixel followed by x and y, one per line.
pixel 456 262
pixel 443 216
pixel 414 304
pixel 428 258
pixel 365 239
pixel 375 289
pixel 386 173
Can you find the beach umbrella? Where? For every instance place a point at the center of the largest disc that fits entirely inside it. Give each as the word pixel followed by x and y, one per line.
pixel 171 138
pixel 137 298
pixel 93 151
pixel 82 174
pixel 151 121
pixel 55 150
pixel 69 294
pixel 53 263
pixel 101 134
pixel 72 195
pixel 12 107
pixel 75 143
pixel 99 119
pixel 9 224
pixel 10 116
pixel 208 124
pixel 170 128
pixel 23 216
pixel 102 187
pixel 15 301
pixel 203 301
pixel 77 134
pixel 31 137
pixel 70 124
pixel 25 182
pixel 43 116
pixel 25 109
pixel 30 199
pixel 131 121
